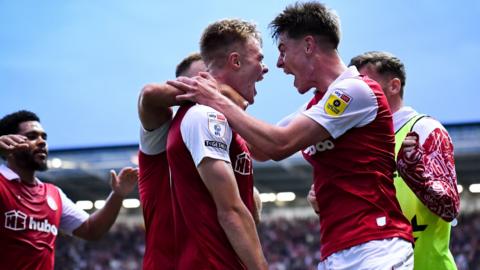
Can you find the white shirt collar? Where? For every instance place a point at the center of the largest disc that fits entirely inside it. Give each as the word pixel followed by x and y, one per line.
pixel 401 116
pixel 350 72
pixel 11 175
pixel 8 173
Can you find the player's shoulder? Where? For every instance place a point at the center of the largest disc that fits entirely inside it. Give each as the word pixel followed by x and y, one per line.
pixel 201 108
pixel 353 87
pixel 427 124
pixel 428 120
pixel 350 91
pixel 356 82
pixel 56 188
pixel 201 112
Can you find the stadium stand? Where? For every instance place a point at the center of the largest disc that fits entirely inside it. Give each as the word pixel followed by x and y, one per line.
pixel 288 243
pixel 289 235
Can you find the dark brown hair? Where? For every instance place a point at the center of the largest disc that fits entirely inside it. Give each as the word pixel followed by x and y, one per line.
pixel 384 63
pixel 309 18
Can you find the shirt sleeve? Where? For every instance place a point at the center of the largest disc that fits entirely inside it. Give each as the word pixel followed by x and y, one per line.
pixel 289 118
pixel 155 141
pixel 348 104
pixel 206 133
pixel 430 170
pixel 72 215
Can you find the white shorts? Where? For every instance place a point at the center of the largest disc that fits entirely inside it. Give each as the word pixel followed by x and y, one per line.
pixel 386 254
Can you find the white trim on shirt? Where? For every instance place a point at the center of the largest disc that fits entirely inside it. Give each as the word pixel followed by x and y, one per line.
pixel 206 133
pixel 72 216
pixel 154 142
pixel 361 105
pixel 8 173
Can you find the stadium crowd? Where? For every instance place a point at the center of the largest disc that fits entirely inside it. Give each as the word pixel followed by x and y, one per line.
pixel 288 244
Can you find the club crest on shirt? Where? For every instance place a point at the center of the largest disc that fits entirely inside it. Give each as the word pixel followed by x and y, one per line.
pixel 337 102
pixel 243 164
pixel 217 124
pixel 51 203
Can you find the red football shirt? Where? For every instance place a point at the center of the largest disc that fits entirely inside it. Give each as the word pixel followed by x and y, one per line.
pixel 353 169
pixel 29 224
pixel 197 132
pixel 156 200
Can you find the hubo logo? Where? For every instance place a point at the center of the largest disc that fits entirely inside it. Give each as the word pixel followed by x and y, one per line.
pixel 319 147
pixel 243 164
pixel 17 221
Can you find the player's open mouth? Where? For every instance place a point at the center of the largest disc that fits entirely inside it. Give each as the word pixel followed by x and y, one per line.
pixel 41 153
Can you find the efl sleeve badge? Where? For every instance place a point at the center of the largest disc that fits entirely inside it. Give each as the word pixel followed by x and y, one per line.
pixel 217 124
pixel 337 103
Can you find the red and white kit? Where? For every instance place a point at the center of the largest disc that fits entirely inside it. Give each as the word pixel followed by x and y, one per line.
pixel 31 217
pixel 156 199
pixel 353 169
pixel 198 132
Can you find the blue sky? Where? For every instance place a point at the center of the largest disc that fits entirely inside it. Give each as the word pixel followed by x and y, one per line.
pixel 81 64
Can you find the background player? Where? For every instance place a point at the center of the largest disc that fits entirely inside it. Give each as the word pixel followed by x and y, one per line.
pixel 427 184
pixel 34 212
pixel 154 174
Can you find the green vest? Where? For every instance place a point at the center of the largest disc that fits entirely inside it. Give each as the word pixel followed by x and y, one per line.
pixel 431 232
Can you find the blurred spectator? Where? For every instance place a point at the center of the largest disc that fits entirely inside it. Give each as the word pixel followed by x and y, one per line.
pixel 121 249
pixel 288 244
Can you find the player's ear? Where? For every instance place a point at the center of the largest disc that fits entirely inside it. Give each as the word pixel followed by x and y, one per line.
pixel 395 86
pixel 308 44
pixel 234 60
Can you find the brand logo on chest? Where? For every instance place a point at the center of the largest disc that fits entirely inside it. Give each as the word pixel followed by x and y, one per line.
pixel 319 147
pixel 18 221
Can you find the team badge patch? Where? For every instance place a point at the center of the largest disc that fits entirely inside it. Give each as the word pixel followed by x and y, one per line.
pixel 337 102
pixel 217 124
pixel 51 203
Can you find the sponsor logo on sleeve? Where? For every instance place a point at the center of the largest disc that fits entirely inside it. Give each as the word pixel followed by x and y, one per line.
pixel 217 124
pixel 215 144
pixel 337 102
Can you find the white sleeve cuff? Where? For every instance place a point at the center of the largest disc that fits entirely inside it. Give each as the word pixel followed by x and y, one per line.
pixel 154 142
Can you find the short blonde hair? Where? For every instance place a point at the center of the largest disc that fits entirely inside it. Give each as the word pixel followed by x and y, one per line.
pixel 222 37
